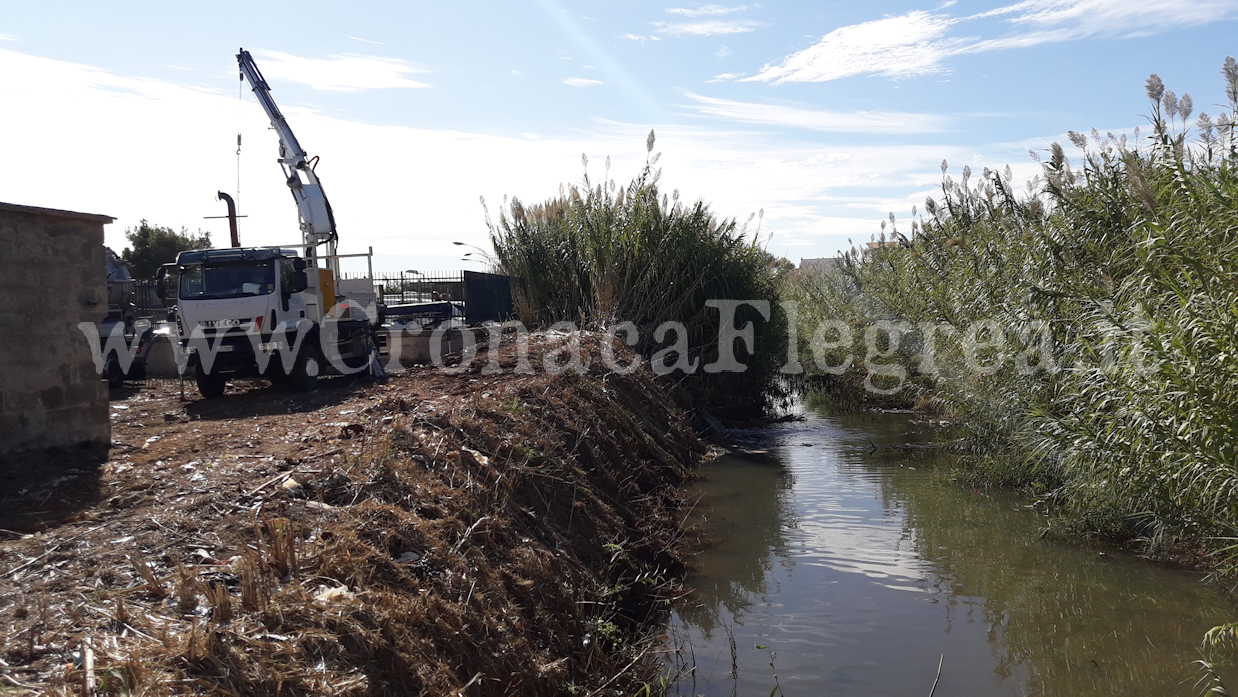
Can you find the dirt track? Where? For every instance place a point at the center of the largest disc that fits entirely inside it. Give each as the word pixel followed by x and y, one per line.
pixel 501 534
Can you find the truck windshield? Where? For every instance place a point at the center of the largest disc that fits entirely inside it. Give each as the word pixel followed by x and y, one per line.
pixel 227 280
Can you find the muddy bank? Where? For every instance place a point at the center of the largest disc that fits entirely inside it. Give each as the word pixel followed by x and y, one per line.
pixel 481 534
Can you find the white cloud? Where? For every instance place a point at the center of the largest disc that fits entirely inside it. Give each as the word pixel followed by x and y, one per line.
pixel 831 121
pixel 723 77
pixel 366 41
pixel 705 10
pixel 340 73
pixel 909 44
pixel 710 27
pixel 638 37
pixel 7 37
pixel 724 51
pixel 918 42
pixel 814 193
pixel 1083 18
pixel 582 82
pixel 1026 40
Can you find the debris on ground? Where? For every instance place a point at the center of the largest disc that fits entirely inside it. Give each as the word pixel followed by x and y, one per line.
pixel 476 531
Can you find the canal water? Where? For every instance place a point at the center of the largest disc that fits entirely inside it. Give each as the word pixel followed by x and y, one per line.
pixel 836 570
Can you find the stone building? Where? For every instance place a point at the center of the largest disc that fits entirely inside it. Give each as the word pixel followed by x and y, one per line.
pixel 818 264
pixel 52 277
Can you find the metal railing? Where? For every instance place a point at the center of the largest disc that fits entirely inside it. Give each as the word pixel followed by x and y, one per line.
pixel 405 288
pixel 146 302
pixel 486 297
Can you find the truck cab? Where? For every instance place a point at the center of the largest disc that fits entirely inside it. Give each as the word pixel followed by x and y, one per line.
pixel 256 283
pixel 258 312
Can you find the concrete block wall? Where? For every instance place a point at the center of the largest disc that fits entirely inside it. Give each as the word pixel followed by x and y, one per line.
pixel 52 277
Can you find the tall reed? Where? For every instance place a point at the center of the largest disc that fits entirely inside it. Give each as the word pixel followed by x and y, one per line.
pixel 1129 263
pixel 599 255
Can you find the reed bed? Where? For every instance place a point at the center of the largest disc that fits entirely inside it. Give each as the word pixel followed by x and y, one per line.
pixel 1126 266
pixel 600 255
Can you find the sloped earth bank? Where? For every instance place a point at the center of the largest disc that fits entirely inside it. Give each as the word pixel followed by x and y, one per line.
pixel 479 534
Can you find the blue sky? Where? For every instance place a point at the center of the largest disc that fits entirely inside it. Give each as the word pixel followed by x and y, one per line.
pixel 826 116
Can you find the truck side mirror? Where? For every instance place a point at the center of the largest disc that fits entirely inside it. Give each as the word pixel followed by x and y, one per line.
pixel 161 283
pixel 301 281
pixel 298 264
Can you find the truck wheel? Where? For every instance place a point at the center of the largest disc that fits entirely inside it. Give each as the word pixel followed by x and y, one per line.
pixel 210 385
pixel 115 377
pixel 304 375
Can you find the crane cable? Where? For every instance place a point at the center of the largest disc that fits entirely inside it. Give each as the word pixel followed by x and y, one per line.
pixel 240 100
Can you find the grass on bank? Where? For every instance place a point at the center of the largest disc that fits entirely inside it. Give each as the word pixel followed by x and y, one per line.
pixel 1126 264
pixel 599 255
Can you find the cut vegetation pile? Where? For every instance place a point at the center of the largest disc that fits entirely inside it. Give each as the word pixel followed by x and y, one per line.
pixel 485 533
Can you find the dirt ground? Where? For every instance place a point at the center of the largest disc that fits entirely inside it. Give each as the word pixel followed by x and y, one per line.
pixel 440 534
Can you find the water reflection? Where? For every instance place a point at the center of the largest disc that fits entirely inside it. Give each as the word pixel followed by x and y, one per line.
pixel 747 510
pixel 860 570
pixel 1083 620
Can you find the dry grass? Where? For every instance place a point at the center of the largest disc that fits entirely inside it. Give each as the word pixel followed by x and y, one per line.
pixel 486 535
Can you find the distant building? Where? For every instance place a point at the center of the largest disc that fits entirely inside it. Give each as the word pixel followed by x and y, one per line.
pixel 818 264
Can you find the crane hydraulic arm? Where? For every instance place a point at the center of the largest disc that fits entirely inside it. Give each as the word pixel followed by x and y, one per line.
pixel 317 219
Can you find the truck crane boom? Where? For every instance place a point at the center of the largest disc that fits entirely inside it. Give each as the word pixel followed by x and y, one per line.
pixel 238 308
pixel 316 217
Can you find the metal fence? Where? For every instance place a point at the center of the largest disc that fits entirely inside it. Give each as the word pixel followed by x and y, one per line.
pixel 486 297
pixel 407 288
pixel 146 302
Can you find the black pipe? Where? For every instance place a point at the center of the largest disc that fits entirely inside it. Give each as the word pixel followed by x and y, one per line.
pixel 236 239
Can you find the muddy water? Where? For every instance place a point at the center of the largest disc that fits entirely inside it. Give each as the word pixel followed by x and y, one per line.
pixel 860 573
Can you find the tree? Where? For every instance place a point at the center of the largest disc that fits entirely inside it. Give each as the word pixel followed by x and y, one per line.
pixel 154 246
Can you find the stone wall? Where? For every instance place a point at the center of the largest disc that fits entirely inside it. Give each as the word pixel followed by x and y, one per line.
pixel 52 278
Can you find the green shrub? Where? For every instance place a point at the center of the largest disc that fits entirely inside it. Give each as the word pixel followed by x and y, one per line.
pixel 599 255
pixel 1129 264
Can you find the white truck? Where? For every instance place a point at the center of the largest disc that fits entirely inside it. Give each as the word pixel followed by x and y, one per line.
pixel 270 312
